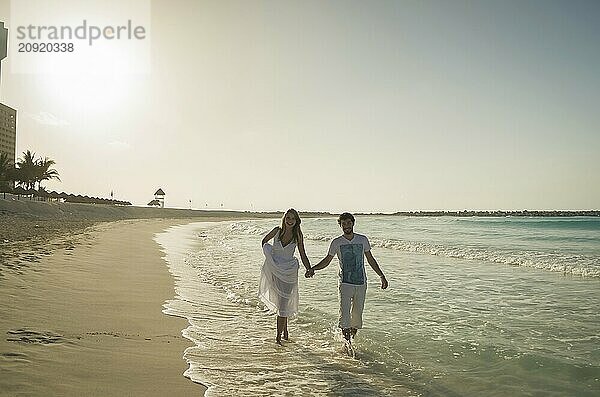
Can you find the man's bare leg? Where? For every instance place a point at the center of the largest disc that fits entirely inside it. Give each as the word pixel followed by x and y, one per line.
pixel 279 328
pixel 286 335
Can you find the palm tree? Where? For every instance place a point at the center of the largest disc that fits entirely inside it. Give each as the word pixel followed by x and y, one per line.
pixel 44 172
pixel 6 168
pixel 31 171
pixel 26 175
pixel 17 175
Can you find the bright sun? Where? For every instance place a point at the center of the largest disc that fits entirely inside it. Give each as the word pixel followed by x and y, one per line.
pixel 93 78
pixel 88 93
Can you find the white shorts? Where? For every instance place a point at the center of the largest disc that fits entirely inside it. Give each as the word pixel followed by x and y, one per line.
pixel 352 303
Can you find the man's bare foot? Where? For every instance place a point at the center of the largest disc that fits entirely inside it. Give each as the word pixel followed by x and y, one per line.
pixel 346 332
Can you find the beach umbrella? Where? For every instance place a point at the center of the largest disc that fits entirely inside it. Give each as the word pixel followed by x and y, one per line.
pixel 42 194
pixel 53 195
pixel 30 193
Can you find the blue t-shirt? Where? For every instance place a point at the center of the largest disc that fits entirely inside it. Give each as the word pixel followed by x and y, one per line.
pixel 351 254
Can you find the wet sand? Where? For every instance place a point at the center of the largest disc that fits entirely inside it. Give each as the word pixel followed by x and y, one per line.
pixel 81 314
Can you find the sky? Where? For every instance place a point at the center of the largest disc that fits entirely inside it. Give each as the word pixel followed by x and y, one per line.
pixel 334 106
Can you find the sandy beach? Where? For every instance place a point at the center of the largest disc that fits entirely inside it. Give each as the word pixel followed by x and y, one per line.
pixel 81 303
pixel 87 320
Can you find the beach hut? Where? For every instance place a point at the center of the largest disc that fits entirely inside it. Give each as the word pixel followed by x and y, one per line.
pixel 159 196
pixel 154 203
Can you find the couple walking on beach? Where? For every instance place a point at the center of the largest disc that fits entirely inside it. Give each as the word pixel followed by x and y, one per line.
pixel 278 286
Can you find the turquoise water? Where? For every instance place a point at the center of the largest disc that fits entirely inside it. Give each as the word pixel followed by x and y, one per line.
pixel 476 306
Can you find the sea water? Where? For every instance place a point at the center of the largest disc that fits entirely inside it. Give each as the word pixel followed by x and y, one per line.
pixel 475 307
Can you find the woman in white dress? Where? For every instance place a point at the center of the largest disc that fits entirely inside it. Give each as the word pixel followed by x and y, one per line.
pixel 278 287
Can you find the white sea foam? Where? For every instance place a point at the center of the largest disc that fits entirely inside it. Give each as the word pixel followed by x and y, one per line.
pixel 579 265
pixel 569 264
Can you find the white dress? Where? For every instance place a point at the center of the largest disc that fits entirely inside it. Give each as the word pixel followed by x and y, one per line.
pixel 278 286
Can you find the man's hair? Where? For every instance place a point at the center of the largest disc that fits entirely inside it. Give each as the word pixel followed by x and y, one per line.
pixel 345 215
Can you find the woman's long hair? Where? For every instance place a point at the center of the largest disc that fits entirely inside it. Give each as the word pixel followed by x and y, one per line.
pixel 295 229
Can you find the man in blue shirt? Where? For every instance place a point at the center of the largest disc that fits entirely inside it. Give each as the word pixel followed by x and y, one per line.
pixel 350 248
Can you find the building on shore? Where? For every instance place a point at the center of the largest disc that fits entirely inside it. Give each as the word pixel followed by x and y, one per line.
pixel 159 197
pixel 8 132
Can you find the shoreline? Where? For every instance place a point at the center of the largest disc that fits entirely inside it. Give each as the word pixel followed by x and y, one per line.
pixel 87 318
pixel 26 220
pixel 32 210
pixel 500 213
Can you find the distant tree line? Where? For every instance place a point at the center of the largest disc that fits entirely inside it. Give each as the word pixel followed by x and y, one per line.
pixel 29 172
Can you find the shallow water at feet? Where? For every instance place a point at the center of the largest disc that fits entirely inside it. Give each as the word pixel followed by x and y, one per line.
pixel 475 307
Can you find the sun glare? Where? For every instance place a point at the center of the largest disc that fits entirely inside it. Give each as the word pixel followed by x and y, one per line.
pixel 88 93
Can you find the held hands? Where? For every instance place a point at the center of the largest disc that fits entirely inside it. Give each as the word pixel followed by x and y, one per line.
pixel 309 273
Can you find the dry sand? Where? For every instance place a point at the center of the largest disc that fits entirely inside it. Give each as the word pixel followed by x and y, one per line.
pixel 84 317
